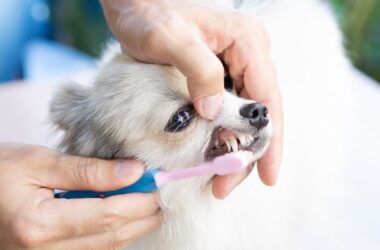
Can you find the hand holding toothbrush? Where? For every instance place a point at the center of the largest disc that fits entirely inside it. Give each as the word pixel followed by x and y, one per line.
pixel 30 217
pixel 153 179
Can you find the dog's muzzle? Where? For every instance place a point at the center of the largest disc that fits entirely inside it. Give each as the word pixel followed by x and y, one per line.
pixel 225 140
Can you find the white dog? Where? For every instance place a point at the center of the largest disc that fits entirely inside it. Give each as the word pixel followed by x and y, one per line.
pixel 117 118
pixel 143 111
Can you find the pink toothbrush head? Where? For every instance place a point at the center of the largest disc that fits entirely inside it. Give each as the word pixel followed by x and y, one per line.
pixel 231 162
pixel 222 165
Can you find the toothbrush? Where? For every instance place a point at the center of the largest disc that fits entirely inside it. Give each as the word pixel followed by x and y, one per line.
pixel 153 179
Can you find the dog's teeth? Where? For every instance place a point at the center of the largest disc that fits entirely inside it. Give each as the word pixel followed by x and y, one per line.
pixel 250 138
pixel 216 144
pixel 234 144
pixel 247 140
pixel 241 138
pixel 228 145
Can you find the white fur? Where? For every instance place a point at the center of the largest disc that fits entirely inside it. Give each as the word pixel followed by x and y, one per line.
pixel 304 210
pixel 301 211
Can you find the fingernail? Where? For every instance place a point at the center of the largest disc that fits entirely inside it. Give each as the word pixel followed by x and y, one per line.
pixel 129 168
pixel 211 106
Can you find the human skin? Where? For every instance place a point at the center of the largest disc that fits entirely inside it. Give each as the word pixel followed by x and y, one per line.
pixel 194 36
pixel 31 218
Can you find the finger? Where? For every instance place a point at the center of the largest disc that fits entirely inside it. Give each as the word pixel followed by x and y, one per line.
pixel 268 166
pixel 79 173
pixel 260 84
pixel 117 239
pixel 263 88
pixel 222 186
pixel 203 69
pixel 64 219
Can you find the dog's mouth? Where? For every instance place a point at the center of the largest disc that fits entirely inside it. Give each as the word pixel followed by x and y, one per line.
pixel 224 141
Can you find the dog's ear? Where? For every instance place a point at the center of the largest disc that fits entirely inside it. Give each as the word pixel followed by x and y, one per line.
pixel 67 105
pixel 69 111
pixel 84 134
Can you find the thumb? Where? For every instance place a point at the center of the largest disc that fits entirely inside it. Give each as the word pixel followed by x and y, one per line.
pixel 80 173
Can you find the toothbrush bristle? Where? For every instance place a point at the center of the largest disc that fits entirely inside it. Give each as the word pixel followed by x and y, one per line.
pixel 232 162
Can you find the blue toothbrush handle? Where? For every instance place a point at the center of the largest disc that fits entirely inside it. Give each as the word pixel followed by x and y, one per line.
pixel 145 184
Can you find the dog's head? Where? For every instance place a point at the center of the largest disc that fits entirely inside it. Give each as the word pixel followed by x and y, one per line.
pixel 143 111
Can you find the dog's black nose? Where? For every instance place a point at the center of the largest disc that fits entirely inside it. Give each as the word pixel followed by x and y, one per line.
pixel 256 113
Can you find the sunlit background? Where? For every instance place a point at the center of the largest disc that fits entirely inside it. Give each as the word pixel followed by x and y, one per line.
pixel 67 35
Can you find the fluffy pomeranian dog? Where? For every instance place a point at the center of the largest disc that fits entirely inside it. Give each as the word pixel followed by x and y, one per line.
pixel 116 118
pixel 143 111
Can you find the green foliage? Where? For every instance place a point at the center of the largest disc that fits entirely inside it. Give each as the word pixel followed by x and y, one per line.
pixel 360 21
pixel 81 24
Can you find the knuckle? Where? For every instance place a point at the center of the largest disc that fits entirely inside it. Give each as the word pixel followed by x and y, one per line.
pixel 110 222
pixel 26 233
pixel 252 26
pixel 160 33
pixel 151 37
pixel 209 73
pixel 86 171
pixel 112 217
pixel 118 240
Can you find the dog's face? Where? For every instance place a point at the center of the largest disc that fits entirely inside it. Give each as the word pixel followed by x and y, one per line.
pixel 144 111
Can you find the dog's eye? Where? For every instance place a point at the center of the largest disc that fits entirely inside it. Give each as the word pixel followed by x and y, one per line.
pixel 180 119
pixel 228 83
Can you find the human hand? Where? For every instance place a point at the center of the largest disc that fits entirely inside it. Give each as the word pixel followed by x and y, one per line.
pixel 30 217
pixel 192 36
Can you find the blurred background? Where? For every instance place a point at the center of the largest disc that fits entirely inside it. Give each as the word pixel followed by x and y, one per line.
pixel 67 35
pixel 360 22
